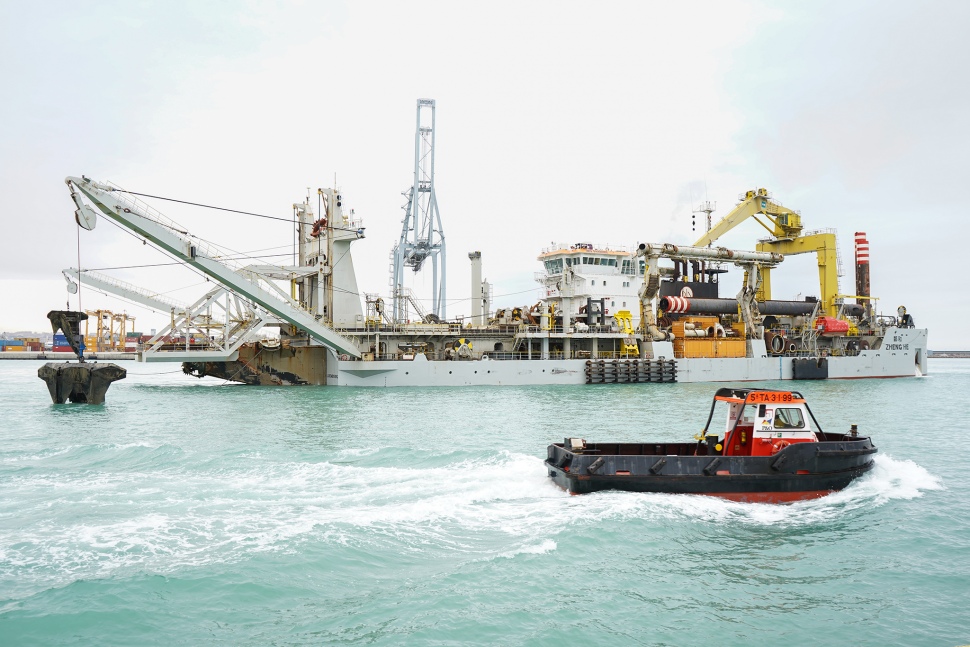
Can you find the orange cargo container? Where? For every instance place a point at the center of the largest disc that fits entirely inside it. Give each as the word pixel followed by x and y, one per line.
pixel 694 347
pixel 731 347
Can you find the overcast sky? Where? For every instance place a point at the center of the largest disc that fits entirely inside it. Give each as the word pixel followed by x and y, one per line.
pixel 602 122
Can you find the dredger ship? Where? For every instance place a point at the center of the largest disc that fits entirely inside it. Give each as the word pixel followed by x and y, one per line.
pixel 607 314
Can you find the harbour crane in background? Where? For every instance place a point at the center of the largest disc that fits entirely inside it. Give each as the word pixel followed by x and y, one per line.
pixel 422 235
pixel 785 227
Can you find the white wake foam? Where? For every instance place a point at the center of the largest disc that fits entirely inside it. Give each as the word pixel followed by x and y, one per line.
pixel 890 479
pixel 500 506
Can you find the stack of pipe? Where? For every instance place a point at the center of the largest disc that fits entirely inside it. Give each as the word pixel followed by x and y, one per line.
pixel 683 305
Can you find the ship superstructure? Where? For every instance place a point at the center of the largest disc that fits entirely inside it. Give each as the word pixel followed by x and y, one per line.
pixel 586 283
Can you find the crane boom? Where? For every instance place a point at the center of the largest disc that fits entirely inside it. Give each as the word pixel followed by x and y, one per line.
pixel 785 223
pixel 132 214
pixel 126 290
pixel 785 227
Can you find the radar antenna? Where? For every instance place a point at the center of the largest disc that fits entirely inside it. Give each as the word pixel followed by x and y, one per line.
pixel 421 234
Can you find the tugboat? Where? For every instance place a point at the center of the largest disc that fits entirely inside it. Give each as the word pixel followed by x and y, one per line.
pixel 770 453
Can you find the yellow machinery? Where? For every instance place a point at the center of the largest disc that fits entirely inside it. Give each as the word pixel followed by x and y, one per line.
pixel 624 321
pixel 110 330
pixel 786 230
pixel 705 337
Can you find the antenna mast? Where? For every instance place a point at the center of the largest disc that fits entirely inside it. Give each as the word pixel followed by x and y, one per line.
pixel 706 207
pixel 421 234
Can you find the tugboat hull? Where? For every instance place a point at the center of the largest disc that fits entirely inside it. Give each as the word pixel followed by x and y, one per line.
pixel 798 472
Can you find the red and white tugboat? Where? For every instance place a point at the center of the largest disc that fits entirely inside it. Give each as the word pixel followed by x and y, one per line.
pixel 769 453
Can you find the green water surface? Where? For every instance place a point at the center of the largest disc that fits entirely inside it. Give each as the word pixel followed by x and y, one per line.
pixel 187 512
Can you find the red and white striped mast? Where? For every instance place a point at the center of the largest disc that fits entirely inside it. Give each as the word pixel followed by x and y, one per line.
pixel 862 271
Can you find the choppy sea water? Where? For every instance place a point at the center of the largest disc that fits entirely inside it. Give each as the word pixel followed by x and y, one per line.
pixel 187 512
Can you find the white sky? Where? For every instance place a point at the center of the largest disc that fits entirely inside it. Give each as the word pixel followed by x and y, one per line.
pixel 556 121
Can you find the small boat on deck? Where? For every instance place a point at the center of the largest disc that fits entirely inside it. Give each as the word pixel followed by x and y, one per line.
pixel 772 451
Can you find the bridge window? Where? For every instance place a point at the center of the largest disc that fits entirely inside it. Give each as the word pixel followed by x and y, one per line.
pixel 789 419
pixel 554 266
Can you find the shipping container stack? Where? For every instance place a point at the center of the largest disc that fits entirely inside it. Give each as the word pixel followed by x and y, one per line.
pixel 131 341
pixel 62 346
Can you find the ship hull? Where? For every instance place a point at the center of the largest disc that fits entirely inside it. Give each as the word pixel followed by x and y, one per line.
pixel 903 354
pixel 906 358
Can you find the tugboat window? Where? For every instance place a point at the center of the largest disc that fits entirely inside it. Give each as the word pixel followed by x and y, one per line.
pixel 789 419
pixel 747 416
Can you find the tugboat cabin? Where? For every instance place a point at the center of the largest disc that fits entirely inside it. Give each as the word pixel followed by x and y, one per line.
pixel 762 422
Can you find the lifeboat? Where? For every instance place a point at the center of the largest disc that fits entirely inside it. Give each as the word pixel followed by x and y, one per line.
pixel 771 450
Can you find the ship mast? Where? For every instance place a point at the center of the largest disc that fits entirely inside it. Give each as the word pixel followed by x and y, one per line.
pixel 706 207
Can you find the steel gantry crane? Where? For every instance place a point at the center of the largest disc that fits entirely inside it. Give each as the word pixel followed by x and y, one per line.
pixel 785 227
pixel 422 236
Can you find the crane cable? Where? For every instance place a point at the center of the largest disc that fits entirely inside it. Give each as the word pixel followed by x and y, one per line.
pixel 78 225
pixel 209 206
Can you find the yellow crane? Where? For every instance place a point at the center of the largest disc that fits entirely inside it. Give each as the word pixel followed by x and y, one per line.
pixel 785 227
pixel 110 330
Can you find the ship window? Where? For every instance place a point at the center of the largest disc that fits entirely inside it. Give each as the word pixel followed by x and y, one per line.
pixel 554 266
pixel 612 262
pixel 789 419
pixel 643 265
pixel 624 304
pixel 592 282
pixel 596 261
pixel 747 416
pixel 569 262
pixel 585 260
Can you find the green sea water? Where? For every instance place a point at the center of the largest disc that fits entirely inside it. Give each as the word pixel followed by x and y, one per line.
pixel 187 512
